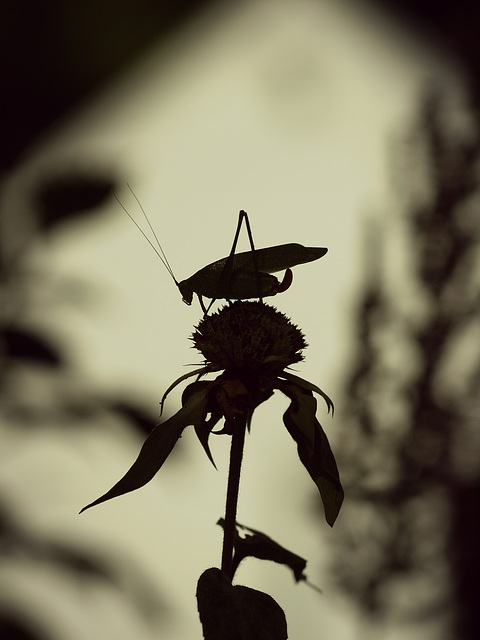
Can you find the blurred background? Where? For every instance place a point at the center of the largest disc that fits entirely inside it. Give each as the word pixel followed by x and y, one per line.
pixel 351 125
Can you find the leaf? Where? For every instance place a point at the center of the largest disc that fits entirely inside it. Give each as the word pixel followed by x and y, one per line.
pixel 198 372
pixel 230 612
pixel 17 628
pixel 313 447
pixel 204 427
pixel 203 430
pixel 71 195
pixel 156 448
pixel 22 344
pixel 309 386
pixel 256 544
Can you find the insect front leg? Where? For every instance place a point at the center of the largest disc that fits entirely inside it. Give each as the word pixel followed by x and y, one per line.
pixel 200 299
pixel 205 309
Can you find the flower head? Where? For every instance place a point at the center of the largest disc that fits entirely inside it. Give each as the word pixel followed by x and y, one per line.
pixel 249 336
pixel 252 344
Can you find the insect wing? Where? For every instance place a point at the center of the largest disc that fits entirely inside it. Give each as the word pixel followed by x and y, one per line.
pixel 285 256
pixel 270 259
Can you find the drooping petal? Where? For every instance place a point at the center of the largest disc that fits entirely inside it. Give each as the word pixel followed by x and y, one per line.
pixel 157 447
pixel 309 386
pixel 203 427
pixel 203 430
pixel 198 372
pixel 313 447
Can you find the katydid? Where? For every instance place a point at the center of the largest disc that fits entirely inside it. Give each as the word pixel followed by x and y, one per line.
pixel 240 275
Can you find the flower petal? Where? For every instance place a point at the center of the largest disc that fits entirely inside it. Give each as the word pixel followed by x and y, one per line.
pixel 309 386
pixel 198 372
pixel 313 447
pixel 204 427
pixel 157 448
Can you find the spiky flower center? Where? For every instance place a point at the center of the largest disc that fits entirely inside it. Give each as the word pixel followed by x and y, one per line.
pixel 249 336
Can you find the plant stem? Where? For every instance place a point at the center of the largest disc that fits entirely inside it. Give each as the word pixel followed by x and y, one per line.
pixel 236 455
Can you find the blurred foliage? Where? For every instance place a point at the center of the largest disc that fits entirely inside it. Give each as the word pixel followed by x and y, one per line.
pixel 451 27
pixel 407 546
pixel 57 53
pixel 71 195
pixel 40 389
pixel 13 629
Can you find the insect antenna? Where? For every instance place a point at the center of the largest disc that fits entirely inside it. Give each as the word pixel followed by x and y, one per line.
pixel 158 249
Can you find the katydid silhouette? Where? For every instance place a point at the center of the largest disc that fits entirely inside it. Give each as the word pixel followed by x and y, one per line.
pixel 239 276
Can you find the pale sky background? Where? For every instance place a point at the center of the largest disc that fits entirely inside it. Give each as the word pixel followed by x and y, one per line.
pixel 291 111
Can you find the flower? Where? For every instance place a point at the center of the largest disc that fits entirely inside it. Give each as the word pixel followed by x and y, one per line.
pixel 249 336
pixel 252 344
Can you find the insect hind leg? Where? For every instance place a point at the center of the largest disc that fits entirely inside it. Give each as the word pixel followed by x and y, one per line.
pixel 227 270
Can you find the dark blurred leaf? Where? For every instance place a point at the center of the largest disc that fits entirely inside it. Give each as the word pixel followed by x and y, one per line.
pixel 14 629
pixel 235 612
pixel 70 196
pixel 7 529
pixel 20 344
pixel 80 562
pixel 144 422
pixel 256 544
pixel 16 540
pixel 313 447
pixel 104 564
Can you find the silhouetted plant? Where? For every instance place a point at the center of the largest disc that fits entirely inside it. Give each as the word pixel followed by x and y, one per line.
pixel 252 344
